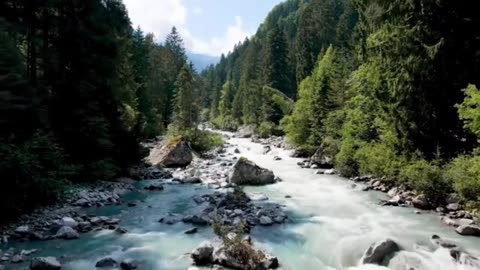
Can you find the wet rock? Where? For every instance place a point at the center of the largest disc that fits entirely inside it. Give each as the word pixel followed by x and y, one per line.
pixel 266 221
pixel 171 154
pixel 154 187
pixel 121 230
pixel 17 259
pixel 439 242
pixel 471 230
pixel 457 222
pixel 270 262
pixel 82 202
pixel 392 192
pixel 245 172
pixel 236 151
pixel 203 253
pixel 45 263
pixel 131 204
pixel 66 232
pixel 191 231
pixel 128 264
pixel 267 149
pixel 106 263
pixel 170 219
pixel 380 251
pixel 196 220
pixel 440 209
pixel 190 180
pixel 421 202
pixel 277 158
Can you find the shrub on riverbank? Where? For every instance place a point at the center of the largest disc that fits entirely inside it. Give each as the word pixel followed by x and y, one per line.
pixel 199 140
pixel 464 173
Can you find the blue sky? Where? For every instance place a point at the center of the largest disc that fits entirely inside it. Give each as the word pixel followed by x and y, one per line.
pixel 210 27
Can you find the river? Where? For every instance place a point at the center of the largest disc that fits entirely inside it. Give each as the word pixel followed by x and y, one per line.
pixel 332 224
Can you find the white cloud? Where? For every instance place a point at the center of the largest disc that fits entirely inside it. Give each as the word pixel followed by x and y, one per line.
pixel 158 17
pixel 217 45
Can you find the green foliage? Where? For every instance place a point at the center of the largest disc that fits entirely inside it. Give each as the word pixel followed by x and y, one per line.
pixel 34 173
pixel 305 125
pixel 265 130
pixel 464 173
pixel 469 109
pixel 186 109
pixel 427 178
pixel 379 160
pixel 199 140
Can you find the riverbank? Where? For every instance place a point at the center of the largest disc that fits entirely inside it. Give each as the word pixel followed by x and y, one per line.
pixel 330 224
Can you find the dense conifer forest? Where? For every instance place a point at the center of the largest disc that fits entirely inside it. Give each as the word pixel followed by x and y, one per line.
pixel 385 88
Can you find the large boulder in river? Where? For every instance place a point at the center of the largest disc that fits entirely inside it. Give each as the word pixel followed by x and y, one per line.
pixel 379 252
pixel 245 172
pixel 176 153
pixel 246 131
pixel 321 158
pixel 203 253
pixel 45 263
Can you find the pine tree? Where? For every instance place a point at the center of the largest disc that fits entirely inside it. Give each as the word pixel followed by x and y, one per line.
pixel 186 111
pixel 277 73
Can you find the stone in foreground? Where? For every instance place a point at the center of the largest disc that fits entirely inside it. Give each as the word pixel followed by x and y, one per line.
pixel 472 230
pixel 45 263
pixel 202 254
pixel 171 154
pixel 106 263
pixel 245 172
pixel 378 252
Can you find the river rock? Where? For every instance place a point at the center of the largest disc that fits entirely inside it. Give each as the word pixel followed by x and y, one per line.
pixel 321 159
pixel 266 221
pixel 245 172
pixel 45 263
pixel 191 231
pixel 453 207
pixel 70 222
pixel 171 154
pixel 439 242
pixel 203 253
pixel 472 230
pixel 245 131
pixel 106 263
pixel 329 171
pixel 23 230
pixel 170 219
pixel 17 259
pixel 66 232
pixel 421 202
pixel 236 151
pixel 378 252
pixel 128 264
pixel 153 187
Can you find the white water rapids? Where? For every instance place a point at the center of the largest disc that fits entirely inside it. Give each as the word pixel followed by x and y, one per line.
pixel 332 224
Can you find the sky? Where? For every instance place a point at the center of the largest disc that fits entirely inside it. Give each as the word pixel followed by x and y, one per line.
pixel 209 27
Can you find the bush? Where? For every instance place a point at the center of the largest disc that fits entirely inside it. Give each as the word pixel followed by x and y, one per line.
pixel 200 140
pixel 345 161
pixel 265 129
pixel 236 247
pixel 34 173
pixel 379 160
pixel 464 173
pixel 427 178
pixel 225 123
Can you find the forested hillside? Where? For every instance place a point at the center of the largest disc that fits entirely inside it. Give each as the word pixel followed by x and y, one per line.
pixel 386 88
pixel 79 90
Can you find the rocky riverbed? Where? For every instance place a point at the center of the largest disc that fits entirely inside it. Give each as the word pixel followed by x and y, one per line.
pixel 307 217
